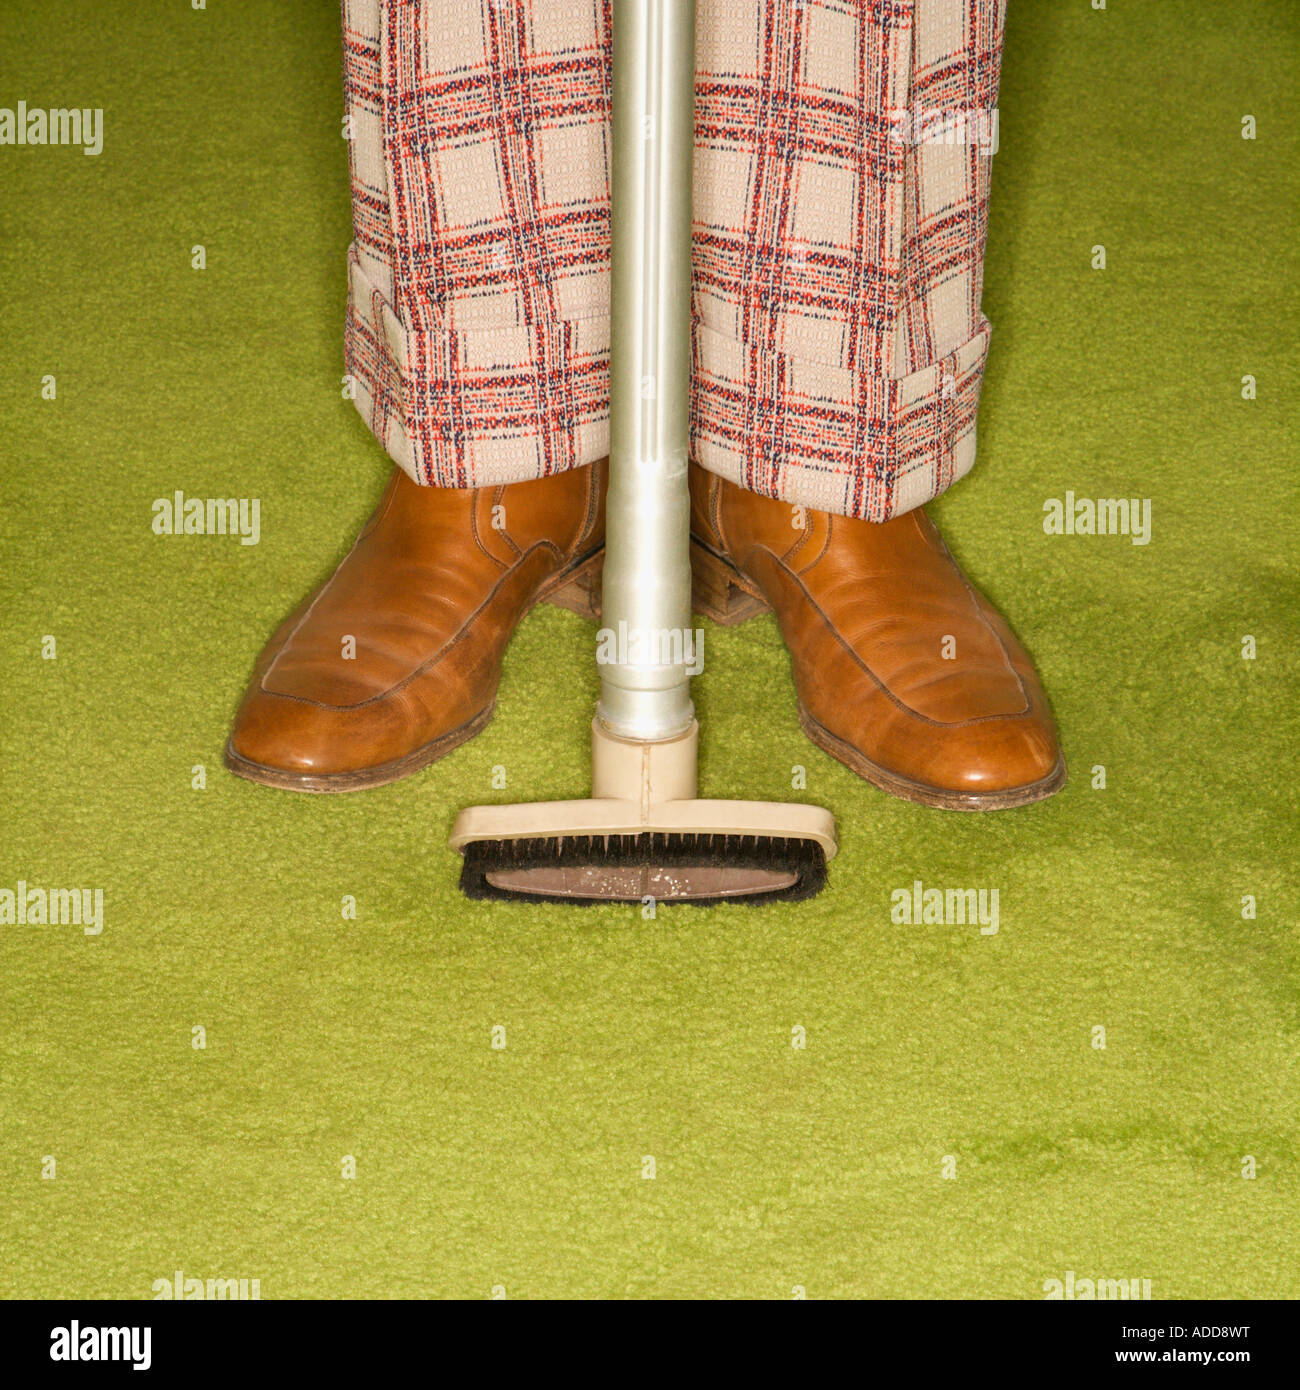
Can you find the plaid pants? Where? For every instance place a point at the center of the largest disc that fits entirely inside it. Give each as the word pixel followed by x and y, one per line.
pixel 842 159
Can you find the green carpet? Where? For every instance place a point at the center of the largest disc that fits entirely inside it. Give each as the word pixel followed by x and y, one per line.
pixel 776 1167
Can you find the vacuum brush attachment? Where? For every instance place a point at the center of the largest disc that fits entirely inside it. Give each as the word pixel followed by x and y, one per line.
pixel 644 835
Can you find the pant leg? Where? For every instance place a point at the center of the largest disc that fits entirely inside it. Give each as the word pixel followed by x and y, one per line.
pixel 478 316
pixel 838 343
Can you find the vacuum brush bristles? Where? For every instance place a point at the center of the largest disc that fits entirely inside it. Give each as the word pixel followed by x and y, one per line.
pixel 647 867
pixel 643 834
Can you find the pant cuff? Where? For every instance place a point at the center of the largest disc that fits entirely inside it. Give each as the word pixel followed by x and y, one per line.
pixel 475 407
pixel 481 406
pixel 827 437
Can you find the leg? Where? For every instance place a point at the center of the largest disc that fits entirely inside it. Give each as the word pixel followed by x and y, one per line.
pixel 478 321
pixel 839 341
pixel 477 343
pixel 839 347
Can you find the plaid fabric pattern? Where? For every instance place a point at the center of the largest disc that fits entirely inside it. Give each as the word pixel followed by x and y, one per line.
pixel 838 343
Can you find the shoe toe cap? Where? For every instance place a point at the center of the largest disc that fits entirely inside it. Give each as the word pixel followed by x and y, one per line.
pixel 301 738
pixel 1003 756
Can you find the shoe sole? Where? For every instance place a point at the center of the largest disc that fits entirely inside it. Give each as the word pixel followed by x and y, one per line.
pixel 919 792
pixel 576 589
pixel 722 594
pixel 363 778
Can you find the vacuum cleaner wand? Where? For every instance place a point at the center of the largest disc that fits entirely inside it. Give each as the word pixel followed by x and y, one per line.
pixel 643 833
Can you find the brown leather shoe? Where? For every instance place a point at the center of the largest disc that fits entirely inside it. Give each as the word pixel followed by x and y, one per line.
pixel 866 611
pixel 429 595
